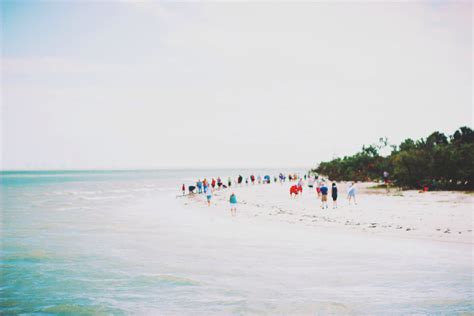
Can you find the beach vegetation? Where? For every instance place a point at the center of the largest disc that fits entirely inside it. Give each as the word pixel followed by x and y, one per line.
pixel 438 162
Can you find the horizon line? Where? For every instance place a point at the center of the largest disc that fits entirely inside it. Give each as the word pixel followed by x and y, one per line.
pixel 148 169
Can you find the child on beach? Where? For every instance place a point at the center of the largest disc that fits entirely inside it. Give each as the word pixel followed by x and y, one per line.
pixel 334 195
pixel 233 204
pixel 209 196
pixel 324 196
pixel 351 191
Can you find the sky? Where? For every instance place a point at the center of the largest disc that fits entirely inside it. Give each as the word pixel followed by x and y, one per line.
pixel 122 84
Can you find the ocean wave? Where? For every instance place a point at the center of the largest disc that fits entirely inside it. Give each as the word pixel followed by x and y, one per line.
pixel 61 193
pixel 110 197
pixel 29 256
pixel 164 280
pixel 79 208
pixel 73 309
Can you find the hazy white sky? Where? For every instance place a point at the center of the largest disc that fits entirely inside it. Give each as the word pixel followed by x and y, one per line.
pixel 158 85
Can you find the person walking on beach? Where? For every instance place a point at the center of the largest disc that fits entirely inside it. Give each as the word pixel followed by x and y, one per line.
pixel 282 177
pixel 310 182
pixel 209 196
pixel 266 179
pixel 199 186
pixel 324 196
pixel 252 178
pixel 351 193
pixel 385 181
pixel 229 182
pixel 183 188
pixel 219 182
pixel 239 179
pixel 334 195
pixel 259 179
pixel 300 183
pixel 213 183
pixel 205 185
pixel 233 204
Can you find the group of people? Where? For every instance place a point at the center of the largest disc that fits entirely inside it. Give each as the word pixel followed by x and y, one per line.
pixel 207 188
pixel 322 191
pixel 204 185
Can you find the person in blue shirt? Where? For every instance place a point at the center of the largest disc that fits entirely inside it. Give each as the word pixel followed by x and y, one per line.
pixel 351 193
pixel 209 196
pixel 266 179
pixel 324 196
pixel 233 204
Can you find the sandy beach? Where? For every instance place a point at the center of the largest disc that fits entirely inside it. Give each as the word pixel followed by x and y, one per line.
pixel 401 252
pixel 440 216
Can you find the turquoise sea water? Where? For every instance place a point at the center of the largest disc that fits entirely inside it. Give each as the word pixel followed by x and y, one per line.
pixel 119 242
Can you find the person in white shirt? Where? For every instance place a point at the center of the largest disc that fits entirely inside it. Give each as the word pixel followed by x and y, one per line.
pixel 351 193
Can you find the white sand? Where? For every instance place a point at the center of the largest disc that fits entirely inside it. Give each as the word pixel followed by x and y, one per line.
pixel 283 256
pixel 442 216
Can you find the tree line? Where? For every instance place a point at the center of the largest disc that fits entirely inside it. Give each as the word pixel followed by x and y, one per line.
pixel 438 161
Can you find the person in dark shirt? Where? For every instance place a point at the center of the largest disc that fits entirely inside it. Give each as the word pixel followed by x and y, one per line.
pixel 324 196
pixel 334 195
pixel 199 186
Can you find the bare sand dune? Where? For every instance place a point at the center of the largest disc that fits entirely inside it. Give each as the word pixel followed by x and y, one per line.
pixel 443 216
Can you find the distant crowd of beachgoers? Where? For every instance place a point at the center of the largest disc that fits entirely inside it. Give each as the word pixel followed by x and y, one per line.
pixel 313 181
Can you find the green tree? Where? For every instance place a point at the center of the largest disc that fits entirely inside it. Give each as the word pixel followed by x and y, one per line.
pixel 438 161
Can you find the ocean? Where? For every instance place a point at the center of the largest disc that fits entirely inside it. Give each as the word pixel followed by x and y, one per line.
pixel 123 242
